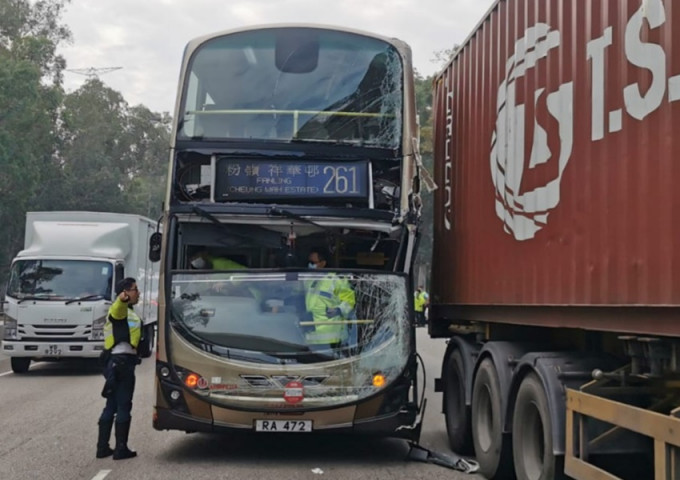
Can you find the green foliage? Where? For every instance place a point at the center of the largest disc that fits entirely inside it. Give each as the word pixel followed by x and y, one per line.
pixel 423 91
pixel 87 150
pixel 29 100
pixel 112 157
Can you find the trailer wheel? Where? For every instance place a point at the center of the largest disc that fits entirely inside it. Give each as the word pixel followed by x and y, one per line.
pixel 20 364
pixel 493 454
pixel 146 343
pixel 532 434
pixel 458 423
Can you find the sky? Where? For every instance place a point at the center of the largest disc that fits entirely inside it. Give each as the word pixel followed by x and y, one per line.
pixel 147 37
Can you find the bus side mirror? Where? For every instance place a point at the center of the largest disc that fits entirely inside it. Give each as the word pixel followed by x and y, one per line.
pixel 155 241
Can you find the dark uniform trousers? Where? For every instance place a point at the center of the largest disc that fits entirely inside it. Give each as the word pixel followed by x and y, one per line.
pixel 119 387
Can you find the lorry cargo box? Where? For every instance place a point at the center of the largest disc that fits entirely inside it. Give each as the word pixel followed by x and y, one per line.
pixel 556 156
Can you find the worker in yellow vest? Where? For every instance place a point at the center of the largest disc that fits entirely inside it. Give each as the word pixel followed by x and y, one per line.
pixel 203 260
pixel 122 332
pixel 330 300
pixel 421 301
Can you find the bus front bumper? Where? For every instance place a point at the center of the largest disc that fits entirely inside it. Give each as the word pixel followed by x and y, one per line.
pixel 403 424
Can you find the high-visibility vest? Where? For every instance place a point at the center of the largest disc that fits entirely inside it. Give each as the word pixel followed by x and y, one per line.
pixel 420 301
pixel 329 292
pixel 219 263
pixel 120 312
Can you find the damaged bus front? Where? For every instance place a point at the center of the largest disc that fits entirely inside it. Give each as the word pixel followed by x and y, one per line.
pixel 245 341
pixel 290 230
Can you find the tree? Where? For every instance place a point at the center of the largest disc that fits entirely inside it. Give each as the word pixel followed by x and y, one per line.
pixel 424 106
pixel 30 92
pixel 112 157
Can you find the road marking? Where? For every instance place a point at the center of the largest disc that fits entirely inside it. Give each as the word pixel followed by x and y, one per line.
pixel 101 474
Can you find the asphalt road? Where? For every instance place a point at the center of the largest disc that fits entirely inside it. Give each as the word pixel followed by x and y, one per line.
pixel 48 428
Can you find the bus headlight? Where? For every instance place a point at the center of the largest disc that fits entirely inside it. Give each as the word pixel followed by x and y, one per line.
pixel 10 329
pixel 98 329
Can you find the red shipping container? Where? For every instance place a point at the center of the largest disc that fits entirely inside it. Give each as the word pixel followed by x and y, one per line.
pixel 557 157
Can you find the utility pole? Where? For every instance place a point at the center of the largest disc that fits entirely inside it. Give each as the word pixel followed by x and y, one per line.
pixel 92 72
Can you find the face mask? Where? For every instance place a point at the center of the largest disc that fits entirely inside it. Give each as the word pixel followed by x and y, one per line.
pixel 199 263
pixel 311 265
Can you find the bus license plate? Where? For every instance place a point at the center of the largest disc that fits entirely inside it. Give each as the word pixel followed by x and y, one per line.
pixel 283 426
pixel 53 351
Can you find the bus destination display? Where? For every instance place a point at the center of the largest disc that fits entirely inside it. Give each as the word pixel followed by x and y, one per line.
pixel 266 179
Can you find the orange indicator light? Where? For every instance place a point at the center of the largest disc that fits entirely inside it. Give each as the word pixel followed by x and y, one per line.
pixel 378 380
pixel 191 380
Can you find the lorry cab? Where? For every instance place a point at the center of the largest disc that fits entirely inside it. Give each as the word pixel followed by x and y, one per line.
pixel 62 284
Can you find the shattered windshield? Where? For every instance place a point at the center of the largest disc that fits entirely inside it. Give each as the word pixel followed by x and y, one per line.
pixel 295 84
pixel 292 317
pixel 60 279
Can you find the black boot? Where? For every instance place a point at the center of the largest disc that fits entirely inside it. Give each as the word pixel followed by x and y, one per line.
pixel 122 451
pixel 103 449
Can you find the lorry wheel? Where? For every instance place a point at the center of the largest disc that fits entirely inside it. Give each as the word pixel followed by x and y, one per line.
pixel 457 413
pixel 493 454
pixel 20 364
pixel 532 434
pixel 146 343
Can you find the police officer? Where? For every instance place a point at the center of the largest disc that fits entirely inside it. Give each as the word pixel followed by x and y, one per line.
pixel 421 301
pixel 329 299
pixel 122 332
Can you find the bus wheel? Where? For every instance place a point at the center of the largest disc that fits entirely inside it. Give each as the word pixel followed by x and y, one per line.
pixel 146 343
pixel 20 364
pixel 457 413
pixel 493 454
pixel 532 434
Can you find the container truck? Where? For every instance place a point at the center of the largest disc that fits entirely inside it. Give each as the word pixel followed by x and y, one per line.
pixel 555 272
pixel 62 284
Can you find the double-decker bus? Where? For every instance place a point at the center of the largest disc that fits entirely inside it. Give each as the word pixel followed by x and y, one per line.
pixel 287 140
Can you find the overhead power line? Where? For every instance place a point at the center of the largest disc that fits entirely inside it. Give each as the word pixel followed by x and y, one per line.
pixel 92 72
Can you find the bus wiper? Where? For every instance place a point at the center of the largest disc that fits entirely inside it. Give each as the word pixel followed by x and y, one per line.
pixel 232 231
pixel 86 297
pixel 247 236
pixel 274 211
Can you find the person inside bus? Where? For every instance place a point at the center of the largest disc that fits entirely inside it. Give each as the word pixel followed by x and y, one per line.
pixel 330 300
pixel 204 260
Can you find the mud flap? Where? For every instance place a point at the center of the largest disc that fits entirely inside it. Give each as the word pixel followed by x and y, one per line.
pixel 418 453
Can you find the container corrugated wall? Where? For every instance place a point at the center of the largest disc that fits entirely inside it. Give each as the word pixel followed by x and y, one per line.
pixel 557 155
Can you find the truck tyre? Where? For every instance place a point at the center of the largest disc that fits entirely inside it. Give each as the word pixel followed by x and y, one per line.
pixel 20 364
pixel 457 413
pixel 493 453
pixel 146 343
pixel 532 434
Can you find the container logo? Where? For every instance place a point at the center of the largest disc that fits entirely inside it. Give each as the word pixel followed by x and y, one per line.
pixel 525 212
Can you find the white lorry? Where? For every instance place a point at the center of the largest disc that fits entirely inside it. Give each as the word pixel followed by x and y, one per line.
pixel 62 284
